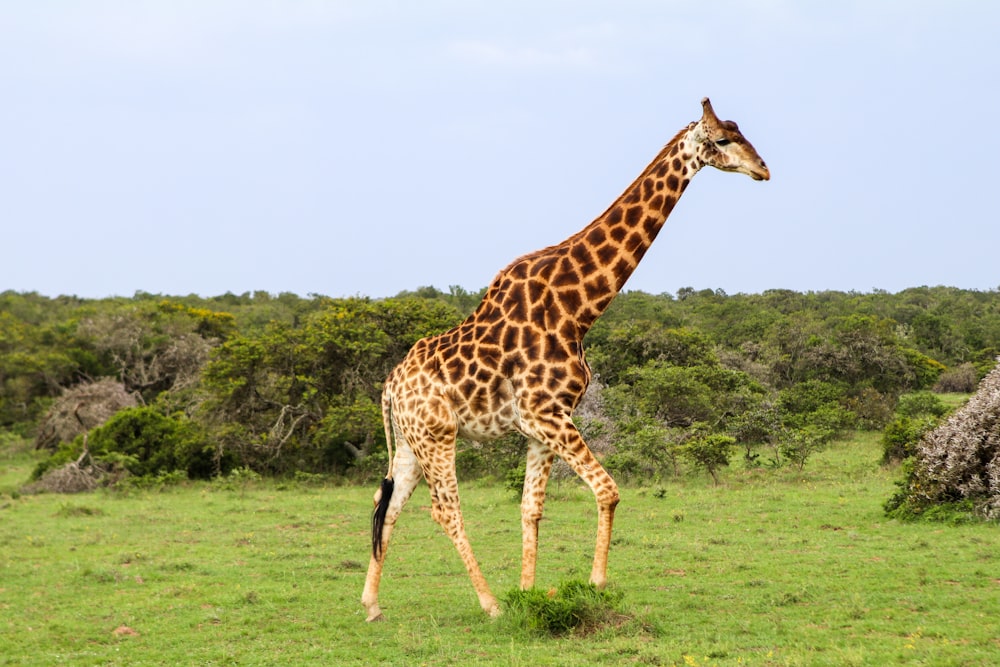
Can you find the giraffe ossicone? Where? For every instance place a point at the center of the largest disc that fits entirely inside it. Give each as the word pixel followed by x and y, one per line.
pixel 517 363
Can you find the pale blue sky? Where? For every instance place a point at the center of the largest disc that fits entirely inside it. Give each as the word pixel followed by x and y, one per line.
pixel 367 147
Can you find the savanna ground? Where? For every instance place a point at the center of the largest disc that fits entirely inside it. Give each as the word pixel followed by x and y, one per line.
pixel 772 567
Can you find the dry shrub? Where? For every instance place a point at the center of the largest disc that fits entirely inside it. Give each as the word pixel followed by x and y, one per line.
pixel 149 354
pixel 81 408
pixel 959 461
pixel 961 379
pixel 74 477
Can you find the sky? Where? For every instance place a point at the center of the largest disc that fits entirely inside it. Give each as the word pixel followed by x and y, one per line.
pixel 366 147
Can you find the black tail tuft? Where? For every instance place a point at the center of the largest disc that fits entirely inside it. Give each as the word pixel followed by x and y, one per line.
pixel 378 516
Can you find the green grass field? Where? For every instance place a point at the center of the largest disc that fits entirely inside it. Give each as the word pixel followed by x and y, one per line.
pixel 769 568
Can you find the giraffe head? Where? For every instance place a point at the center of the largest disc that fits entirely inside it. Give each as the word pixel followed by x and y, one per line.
pixel 720 144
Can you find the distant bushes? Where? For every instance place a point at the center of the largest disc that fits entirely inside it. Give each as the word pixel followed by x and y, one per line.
pixel 282 385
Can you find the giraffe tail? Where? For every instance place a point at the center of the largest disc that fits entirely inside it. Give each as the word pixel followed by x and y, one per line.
pixel 378 516
pixel 385 492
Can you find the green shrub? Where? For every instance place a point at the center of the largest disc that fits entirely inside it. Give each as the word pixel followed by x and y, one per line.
pixel 810 396
pixel 916 414
pixel 921 403
pixel 145 443
pixel 644 453
pixel 900 437
pixel 799 444
pixel 573 607
pixel 761 424
pixel 514 481
pixel 831 417
pixel 158 443
pixel 871 409
pixel 710 452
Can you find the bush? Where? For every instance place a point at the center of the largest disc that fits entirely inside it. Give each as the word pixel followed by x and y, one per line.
pixel 958 462
pixel 647 452
pixel 573 607
pixel 916 414
pixel 921 403
pixel 900 438
pixel 830 417
pixel 961 379
pixel 158 443
pixel 710 452
pixel 872 409
pixel 759 425
pixel 144 442
pixel 811 395
pixel 672 395
pixel 799 444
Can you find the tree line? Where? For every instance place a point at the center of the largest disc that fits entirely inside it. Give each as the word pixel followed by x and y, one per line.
pixel 283 384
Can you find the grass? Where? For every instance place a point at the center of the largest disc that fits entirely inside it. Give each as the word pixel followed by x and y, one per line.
pixel 769 568
pixel 575 606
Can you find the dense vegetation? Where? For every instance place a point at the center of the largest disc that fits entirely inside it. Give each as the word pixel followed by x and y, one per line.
pixel 283 384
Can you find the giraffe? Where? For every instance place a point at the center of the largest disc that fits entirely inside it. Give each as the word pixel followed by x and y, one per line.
pixel 517 363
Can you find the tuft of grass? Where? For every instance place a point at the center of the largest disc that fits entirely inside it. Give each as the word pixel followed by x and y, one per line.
pixel 71 510
pixel 575 607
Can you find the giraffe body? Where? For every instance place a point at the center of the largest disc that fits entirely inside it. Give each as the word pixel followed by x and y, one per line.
pixel 517 363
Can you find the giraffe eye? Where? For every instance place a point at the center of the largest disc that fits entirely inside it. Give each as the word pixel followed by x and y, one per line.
pixel 722 142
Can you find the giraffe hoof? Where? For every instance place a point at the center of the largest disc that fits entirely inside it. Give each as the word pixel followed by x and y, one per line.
pixel 375 618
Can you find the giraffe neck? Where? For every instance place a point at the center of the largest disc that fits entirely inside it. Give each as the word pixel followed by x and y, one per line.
pixel 606 252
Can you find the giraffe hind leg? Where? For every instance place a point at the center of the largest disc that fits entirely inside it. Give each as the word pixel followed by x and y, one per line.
pixel 406 475
pixel 447 511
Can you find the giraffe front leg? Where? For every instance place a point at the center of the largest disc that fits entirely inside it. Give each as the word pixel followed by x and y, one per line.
pixel 564 439
pixel 607 501
pixel 536 476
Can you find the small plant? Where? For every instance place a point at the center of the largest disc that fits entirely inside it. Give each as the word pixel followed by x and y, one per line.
pixel 710 452
pixel 801 443
pixel 70 510
pixel 514 481
pixel 759 425
pixel 238 479
pixel 573 607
